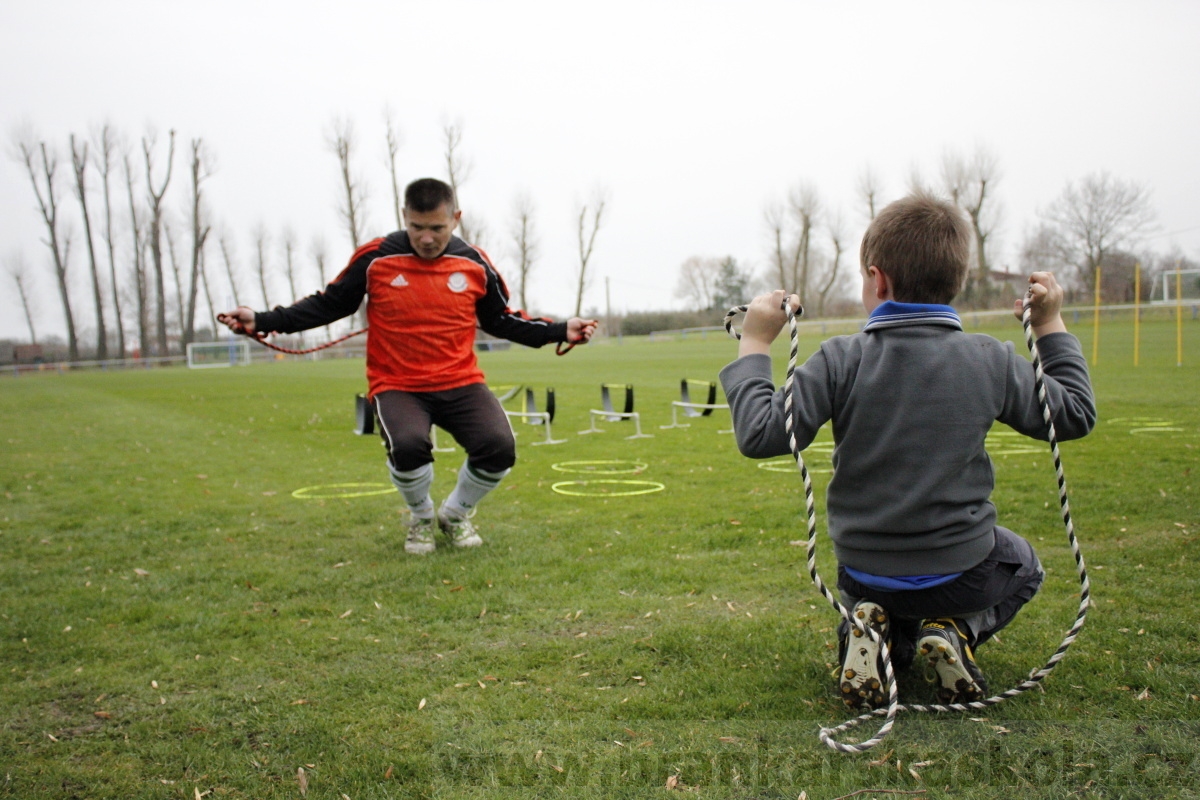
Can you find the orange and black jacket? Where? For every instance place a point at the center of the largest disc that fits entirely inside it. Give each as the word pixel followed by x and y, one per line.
pixel 421 314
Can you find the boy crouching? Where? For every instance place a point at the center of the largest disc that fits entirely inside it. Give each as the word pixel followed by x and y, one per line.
pixel 911 398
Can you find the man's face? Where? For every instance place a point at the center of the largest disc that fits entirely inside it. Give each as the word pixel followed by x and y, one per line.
pixel 430 231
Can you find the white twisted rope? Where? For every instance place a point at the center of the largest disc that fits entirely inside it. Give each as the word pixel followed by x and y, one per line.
pixel 893 707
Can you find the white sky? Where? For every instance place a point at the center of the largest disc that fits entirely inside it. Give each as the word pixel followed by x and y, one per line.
pixel 694 116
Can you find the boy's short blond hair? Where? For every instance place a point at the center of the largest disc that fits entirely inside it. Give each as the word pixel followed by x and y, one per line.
pixel 923 244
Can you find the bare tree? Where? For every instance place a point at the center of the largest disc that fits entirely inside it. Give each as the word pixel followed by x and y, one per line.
pixel 698 281
pixel 260 265
pixel 835 228
pixel 916 183
pixel 176 272
pixel 289 260
pixel 1095 218
pixel 208 298
pixel 48 206
pixel 458 169
pixel 79 161
pixel 201 170
pixel 393 147
pixel 141 284
pixel 343 142
pixel 970 184
pixel 587 242
pixel 780 259
pixel 525 242
pixel 18 270
pixel 320 255
pixel 155 197
pixel 868 190
pixel 223 241
pixel 805 205
pixel 105 142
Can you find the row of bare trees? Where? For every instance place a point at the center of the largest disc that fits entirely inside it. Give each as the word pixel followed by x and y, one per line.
pixel 99 156
pixel 154 278
pixel 1097 222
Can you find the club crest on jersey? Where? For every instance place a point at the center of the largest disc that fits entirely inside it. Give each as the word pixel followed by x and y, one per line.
pixel 457 282
pixel 399 280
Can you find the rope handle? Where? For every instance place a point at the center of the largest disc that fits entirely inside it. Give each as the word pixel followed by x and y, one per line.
pixel 894 707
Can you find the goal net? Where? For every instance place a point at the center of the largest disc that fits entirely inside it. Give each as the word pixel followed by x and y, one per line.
pixel 201 355
pixel 1183 285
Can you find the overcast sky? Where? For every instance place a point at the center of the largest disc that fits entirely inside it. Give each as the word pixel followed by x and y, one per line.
pixel 693 116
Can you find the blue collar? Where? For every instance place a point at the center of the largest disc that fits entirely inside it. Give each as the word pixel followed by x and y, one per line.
pixel 891 314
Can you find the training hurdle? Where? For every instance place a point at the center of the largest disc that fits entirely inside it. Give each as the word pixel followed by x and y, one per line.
pixel 532 416
pixel 364 422
pixel 694 409
pixel 610 414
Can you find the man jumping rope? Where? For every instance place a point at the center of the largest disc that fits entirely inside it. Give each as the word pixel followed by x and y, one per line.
pixel 427 290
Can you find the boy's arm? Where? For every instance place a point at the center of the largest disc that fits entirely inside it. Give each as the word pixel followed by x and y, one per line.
pixel 757 407
pixel 1068 385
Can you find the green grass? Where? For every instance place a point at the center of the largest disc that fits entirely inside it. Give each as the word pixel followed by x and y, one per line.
pixel 174 622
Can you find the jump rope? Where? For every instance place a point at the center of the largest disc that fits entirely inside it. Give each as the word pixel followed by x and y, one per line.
pixel 894 707
pixel 560 350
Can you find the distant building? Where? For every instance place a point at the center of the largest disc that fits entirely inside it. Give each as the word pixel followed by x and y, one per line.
pixel 28 354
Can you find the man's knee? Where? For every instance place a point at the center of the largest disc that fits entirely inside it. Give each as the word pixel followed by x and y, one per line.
pixel 408 450
pixel 495 451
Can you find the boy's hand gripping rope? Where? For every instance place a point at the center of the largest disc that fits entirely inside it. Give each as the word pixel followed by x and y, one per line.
pixel 894 706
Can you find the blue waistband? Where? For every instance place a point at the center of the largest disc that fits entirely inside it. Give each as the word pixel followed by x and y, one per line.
pixel 899 583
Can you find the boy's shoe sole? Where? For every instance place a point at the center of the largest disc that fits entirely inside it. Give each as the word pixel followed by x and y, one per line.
pixel 460 531
pixel 419 541
pixel 959 678
pixel 860 679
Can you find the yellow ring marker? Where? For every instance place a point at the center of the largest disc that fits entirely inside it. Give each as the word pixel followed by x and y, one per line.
pixel 790 466
pixel 649 488
pixel 597 467
pixel 309 492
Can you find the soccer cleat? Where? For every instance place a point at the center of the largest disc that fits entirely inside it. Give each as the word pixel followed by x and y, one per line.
pixel 952 662
pixel 860 679
pixel 419 541
pixel 459 529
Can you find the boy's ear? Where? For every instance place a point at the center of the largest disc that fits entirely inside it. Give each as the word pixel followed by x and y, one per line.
pixel 883 284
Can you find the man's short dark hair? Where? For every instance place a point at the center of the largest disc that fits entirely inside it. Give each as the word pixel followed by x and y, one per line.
pixel 923 244
pixel 429 194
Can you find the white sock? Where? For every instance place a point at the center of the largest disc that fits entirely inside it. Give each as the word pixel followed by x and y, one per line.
pixel 473 485
pixel 414 486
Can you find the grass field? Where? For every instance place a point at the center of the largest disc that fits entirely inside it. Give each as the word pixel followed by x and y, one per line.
pixel 175 624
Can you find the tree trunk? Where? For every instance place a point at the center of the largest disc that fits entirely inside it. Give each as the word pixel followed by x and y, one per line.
pixel 156 254
pixel 585 251
pixel 104 163
pixel 229 268
pixel 139 266
pixel 172 253
pixel 48 205
pixel 199 235
pixel 79 161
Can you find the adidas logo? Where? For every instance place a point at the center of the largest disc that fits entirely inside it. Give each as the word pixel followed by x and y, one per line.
pixel 399 281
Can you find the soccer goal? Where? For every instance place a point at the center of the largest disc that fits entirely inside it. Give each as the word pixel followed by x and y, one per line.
pixel 201 355
pixel 1181 286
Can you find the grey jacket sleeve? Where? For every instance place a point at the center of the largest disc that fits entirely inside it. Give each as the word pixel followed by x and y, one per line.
pixel 757 407
pixel 1068 387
